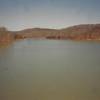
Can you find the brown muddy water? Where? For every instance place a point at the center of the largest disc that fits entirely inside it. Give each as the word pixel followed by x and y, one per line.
pixel 50 70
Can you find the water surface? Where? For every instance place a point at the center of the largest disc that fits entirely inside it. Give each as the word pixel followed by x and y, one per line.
pixel 50 70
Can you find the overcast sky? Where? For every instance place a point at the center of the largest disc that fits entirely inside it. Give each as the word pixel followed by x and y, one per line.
pixel 21 14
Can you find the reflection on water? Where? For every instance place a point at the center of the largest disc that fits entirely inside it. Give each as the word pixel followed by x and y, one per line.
pixel 50 70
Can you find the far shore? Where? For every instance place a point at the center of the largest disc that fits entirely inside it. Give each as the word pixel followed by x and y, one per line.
pixel 3 44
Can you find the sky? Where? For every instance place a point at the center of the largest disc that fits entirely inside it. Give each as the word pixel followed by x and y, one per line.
pixel 57 14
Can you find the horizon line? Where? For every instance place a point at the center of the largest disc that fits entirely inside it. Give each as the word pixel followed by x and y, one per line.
pixel 48 27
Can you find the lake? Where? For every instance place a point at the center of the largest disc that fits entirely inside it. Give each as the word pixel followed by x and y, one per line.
pixel 50 70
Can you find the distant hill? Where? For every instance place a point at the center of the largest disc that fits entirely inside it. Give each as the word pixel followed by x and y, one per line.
pixel 81 32
pixel 78 32
pixel 35 33
pixel 83 28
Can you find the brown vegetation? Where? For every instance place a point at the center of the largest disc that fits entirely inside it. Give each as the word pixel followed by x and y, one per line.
pixel 5 36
